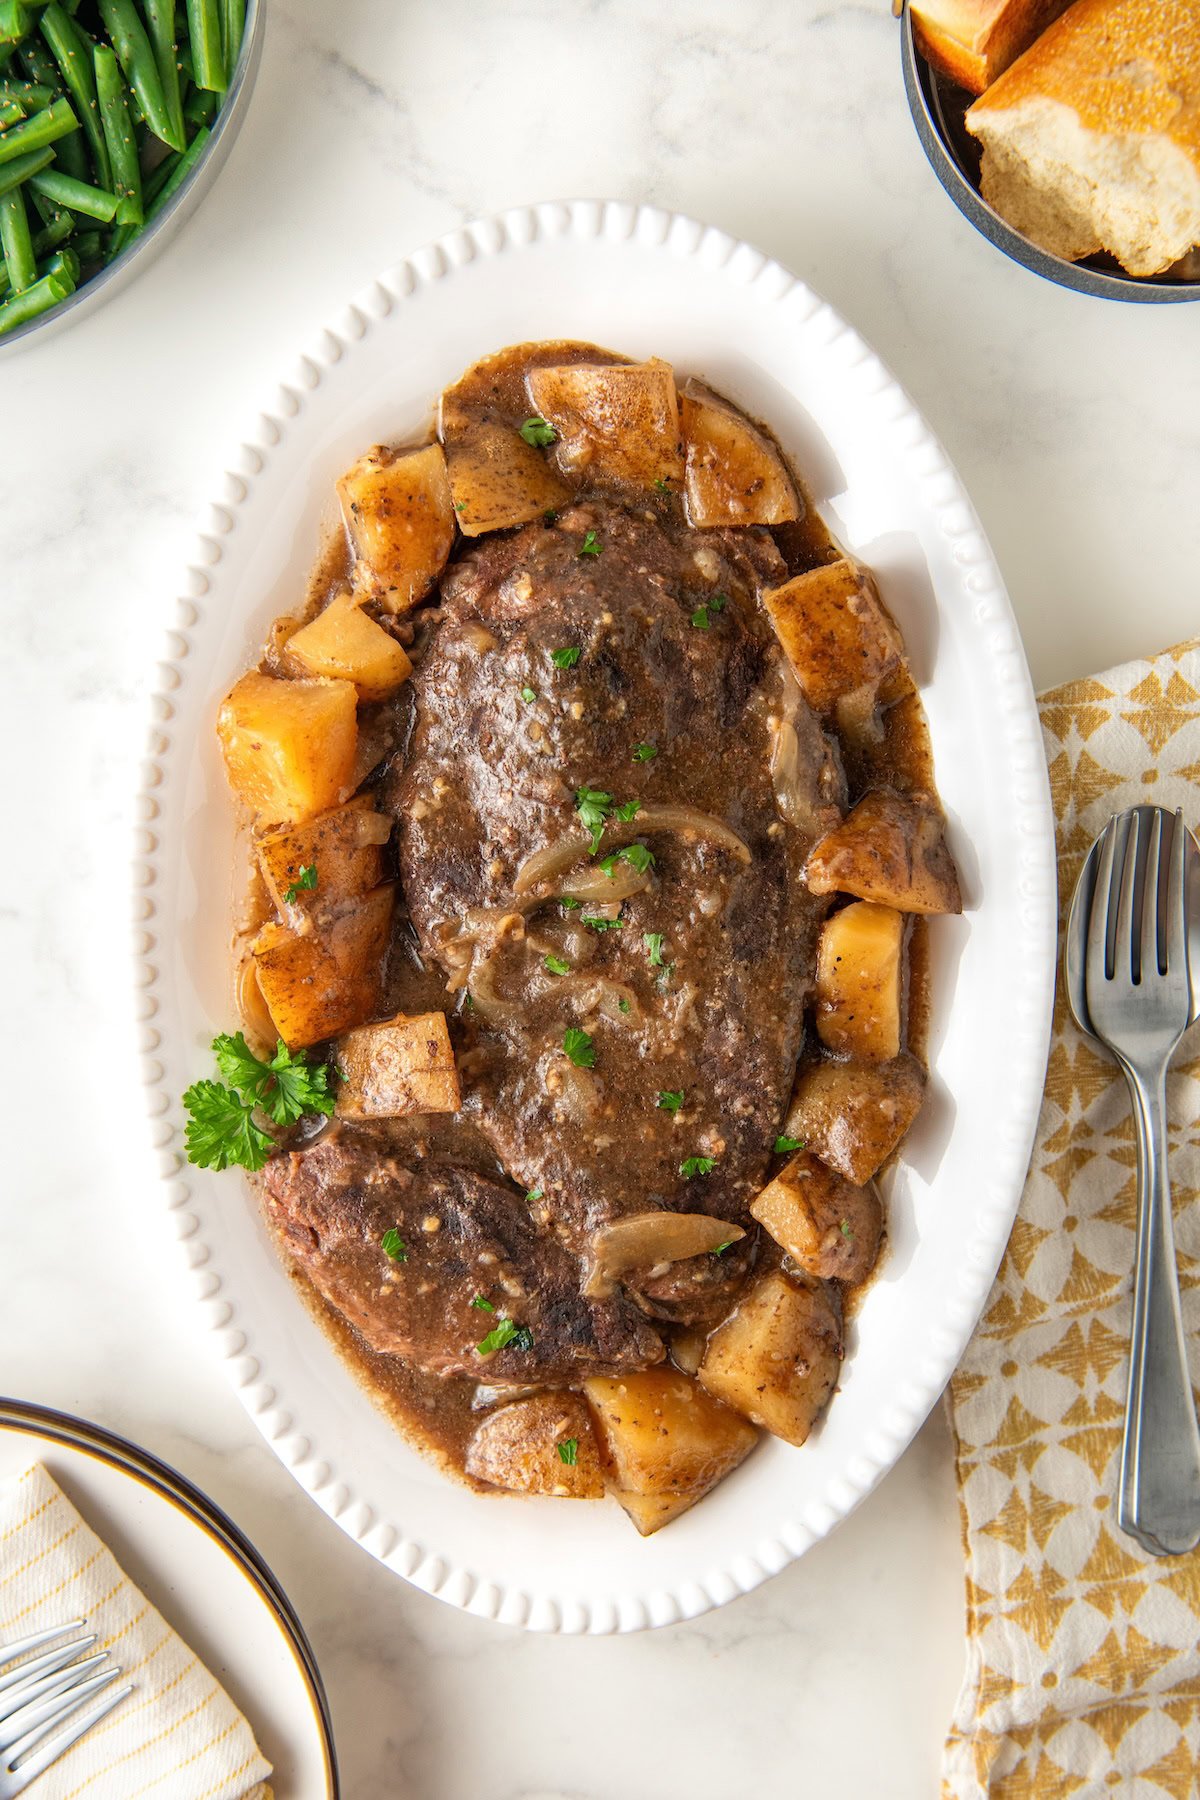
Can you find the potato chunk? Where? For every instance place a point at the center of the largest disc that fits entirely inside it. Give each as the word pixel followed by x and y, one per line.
pixel 324 981
pixel 543 1445
pixel 402 1065
pixel 733 473
pixel 890 848
pixel 289 745
pixel 616 422
pixel 663 1439
pixel 777 1358
pixel 343 641
pixel 339 852
pixel 859 993
pixel 853 1115
pixel 497 479
pixel 400 516
pixel 837 636
pixel 825 1223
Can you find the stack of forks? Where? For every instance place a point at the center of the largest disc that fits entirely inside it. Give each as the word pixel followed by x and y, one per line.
pixel 43 1700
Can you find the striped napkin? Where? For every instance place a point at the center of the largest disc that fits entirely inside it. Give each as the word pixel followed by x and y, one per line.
pixel 178 1736
pixel 1083 1652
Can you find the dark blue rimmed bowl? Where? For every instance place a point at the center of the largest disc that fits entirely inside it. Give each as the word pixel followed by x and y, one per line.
pixel 937 107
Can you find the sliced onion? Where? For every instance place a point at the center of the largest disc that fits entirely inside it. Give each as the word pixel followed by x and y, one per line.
pixel 545 864
pixel 643 1240
pixel 607 997
pixel 690 818
pixel 371 828
pixel 555 859
pixel 594 884
pixel 785 773
pixel 578 1094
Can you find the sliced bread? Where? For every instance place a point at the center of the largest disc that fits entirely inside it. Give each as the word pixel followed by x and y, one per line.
pixel 1091 140
pixel 973 41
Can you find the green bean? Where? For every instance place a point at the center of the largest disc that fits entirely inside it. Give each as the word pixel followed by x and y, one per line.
pixel 28 94
pixel 73 53
pixel 80 196
pixel 132 46
pixel 88 246
pixel 179 173
pixel 160 18
pixel 11 113
pixel 201 107
pixel 34 134
pixel 39 298
pixel 63 262
pixel 14 20
pixel 118 132
pixel 233 26
pixel 16 242
pixel 44 241
pixel 13 173
pixel 204 30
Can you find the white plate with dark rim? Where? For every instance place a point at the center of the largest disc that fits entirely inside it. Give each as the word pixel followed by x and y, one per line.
pixel 646 283
pixel 206 1579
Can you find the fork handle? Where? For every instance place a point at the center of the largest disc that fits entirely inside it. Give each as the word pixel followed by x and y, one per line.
pixel 1159 1501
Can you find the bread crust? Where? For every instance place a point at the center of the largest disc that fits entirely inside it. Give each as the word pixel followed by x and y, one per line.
pixel 973 41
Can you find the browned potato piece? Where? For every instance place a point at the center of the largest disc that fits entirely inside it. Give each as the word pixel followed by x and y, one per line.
pixel 661 1436
pixel 827 1225
pixel 343 641
pixel 615 422
pixel 325 981
pixel 543 1445
pixel 402 1065
pixel 400 515
pixel 498 480
pixel 342 848
pixel 733 473
pixel 650 1512
pixel 837 637
pixel 778 1356
pixel 890 848
pixel 853 1115
pixel 289 745
pixel 859 992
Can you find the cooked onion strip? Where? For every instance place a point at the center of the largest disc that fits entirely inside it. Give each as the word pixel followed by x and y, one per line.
pixel 555 859
pixel 644 1240
pixel 690 818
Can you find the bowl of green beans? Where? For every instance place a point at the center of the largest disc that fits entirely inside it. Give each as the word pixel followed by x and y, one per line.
pixel 115 116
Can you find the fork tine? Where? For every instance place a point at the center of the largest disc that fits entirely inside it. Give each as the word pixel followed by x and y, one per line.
pixel 1149 961
pixel 51 1713
pixel 42 1665
pixel 1176 957
pixel 22 1646
pixel 24 1703
pixel 1125 939
pixel 39 1760
pixel 1102 906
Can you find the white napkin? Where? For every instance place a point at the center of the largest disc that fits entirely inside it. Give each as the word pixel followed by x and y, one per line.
pixel 178 1736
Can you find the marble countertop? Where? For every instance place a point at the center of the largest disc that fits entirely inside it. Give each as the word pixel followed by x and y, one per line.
pixel 1075 424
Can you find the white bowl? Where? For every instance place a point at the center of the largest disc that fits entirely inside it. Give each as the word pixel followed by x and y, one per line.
pixel 644 282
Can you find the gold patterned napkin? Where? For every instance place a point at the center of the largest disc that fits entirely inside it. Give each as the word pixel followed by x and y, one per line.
pixel 1083 1668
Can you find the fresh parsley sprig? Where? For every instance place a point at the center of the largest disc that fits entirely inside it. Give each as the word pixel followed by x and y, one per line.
pixel 223 1130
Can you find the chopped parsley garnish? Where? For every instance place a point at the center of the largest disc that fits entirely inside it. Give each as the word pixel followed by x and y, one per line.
pixel 846 1231
pixel 532 1195
pixel 670 1099
pixel 645 753
pixel 567 657
pixel 591 545
pixel 482 1304
pixel 460 506
pixel 700 618
pixel 468 1001
pixel 305 881
pixel 722 1248
pixel 221 1132
pixel 664 978
pixel 697 1165
pixel 718 603
pixel 662 486
pixel 528 695
pixel 550 517
pixel 579 1047
pixel 537 432
pixel 653 942
pixel 556 965
pixel 505 1332
pixel 568 1452
pixel 393 1245
pixel 622 1006
pixel 595 922
pixel 784 1144
pixel 592 805
pixel 571 905
pixel 629 809
pixel 636 855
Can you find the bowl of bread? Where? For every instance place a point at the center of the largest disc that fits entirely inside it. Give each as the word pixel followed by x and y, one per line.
pixel 1068 132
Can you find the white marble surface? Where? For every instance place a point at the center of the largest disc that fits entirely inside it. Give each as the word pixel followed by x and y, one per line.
pixel 1075 424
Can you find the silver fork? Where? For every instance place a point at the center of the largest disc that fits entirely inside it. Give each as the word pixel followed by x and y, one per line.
pixel 40 1702
pixel 1129 985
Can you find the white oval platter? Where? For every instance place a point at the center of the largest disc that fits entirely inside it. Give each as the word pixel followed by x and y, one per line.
pixel 644 282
